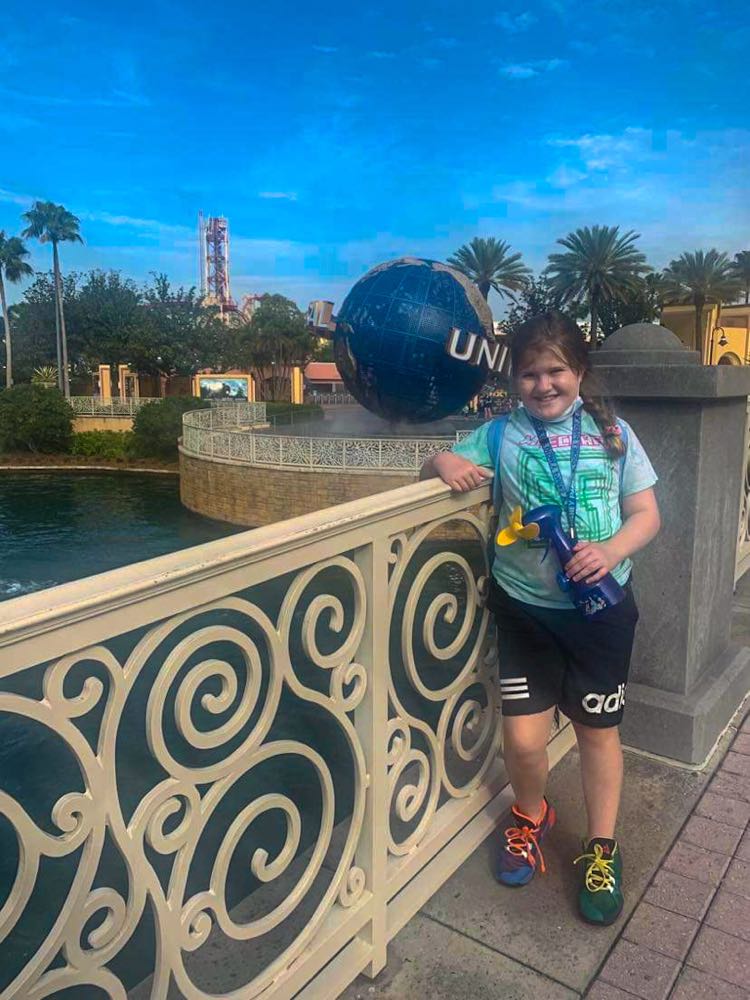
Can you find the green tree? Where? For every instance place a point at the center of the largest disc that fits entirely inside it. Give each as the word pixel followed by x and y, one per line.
pixel 643 305
pixel 741 268
pixel 275 341
pixel 536 297
pixel 51 223
pixel 488 263
pixel 700 278
pixel 13 268
pixel 34 418
pixel 34 323
pixel 108 316
pixel 599 265
pixel 177 334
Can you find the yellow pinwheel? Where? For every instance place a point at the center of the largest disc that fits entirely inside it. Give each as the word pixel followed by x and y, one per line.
pixel 516 529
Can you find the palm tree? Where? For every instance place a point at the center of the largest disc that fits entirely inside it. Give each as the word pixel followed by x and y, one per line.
pixel 489 265
pixel 741 268
pixel 50 223
pixel 13 267
pixel 699 278
pixel 600 266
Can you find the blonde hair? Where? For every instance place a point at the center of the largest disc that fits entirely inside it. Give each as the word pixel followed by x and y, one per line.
pixel 553 331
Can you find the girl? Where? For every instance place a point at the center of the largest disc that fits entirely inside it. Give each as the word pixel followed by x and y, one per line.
pixel 562 446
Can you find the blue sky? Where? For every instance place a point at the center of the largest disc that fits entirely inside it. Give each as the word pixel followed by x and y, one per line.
pixel 335 136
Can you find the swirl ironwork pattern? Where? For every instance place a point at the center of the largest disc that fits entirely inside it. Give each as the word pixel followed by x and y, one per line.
pixel 221 773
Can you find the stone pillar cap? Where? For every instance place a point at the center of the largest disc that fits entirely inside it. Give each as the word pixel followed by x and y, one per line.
pixel 643 344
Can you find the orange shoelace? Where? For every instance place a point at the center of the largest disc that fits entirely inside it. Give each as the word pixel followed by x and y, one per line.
pixel 519 840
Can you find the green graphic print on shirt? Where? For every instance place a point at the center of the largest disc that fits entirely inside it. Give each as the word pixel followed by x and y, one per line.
pixel 527 482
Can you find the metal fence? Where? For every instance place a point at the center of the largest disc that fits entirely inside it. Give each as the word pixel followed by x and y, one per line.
pixel 330 398
pixel 202 438
pixel 97 406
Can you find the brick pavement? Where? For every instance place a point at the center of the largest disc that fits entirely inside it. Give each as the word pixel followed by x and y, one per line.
pixel 689 937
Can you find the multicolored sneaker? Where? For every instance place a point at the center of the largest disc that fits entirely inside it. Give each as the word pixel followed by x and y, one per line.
pixel 521 849
pixel 600 900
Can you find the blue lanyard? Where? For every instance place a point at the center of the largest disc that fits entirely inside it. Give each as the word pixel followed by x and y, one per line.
pixel 567 496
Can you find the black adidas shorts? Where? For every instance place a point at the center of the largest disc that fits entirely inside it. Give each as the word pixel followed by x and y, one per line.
pixel 551 656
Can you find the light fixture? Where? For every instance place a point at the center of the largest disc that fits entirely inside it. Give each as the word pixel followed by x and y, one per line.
pixel 723 338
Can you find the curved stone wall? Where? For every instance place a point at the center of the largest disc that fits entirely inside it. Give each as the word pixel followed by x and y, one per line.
pixel 255 495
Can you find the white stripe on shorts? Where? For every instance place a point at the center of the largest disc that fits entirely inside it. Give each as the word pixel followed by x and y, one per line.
pixel 508 697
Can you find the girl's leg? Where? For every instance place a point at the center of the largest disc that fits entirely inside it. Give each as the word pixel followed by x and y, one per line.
pixel 525 753
pixel 601 775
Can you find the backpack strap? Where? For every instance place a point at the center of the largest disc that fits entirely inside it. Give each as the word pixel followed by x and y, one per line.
pixel 624 435
pixel 495 436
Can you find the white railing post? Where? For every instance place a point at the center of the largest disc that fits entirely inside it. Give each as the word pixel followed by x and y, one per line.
pixel 371 722
pixel 311 453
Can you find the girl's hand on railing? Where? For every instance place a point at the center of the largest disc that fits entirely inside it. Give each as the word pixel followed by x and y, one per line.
pixel 458 472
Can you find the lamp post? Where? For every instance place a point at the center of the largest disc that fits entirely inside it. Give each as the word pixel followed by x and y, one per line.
pixel 722 341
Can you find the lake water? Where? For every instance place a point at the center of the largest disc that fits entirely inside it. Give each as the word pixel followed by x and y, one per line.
pixel 61 526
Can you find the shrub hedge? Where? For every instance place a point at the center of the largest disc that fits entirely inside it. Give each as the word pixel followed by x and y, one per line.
pixel 114 446
pixel 35 418
pixel 157 426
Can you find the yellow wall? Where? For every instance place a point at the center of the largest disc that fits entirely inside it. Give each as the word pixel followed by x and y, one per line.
pixel 733 320
pixel 102 424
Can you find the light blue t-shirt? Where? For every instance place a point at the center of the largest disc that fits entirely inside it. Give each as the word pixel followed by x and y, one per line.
pixel 527 482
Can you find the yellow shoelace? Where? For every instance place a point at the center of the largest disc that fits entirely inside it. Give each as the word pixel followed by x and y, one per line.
pixel 599 874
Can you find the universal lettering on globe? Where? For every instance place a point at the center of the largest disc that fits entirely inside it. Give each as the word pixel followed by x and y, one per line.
pixel 476 350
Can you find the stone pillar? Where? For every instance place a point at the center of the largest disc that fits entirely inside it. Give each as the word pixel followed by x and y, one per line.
pixel 687 679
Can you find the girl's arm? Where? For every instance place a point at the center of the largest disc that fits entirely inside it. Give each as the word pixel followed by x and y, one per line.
pixel 458 472
pixel 641 523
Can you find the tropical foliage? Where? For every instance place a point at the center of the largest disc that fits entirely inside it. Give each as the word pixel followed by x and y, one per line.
pixel 699 279
pixel 275 341
pixel 13 268
pixel 51 223
pixel 599 265
pixel 489 264
pixel 741 270
pixel 34 418
pixel 158 426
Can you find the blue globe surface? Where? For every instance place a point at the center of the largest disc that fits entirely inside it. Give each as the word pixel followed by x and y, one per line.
pixel 391 336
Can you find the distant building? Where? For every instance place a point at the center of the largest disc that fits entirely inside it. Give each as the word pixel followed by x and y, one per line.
pixel 726 333
pixel 323 377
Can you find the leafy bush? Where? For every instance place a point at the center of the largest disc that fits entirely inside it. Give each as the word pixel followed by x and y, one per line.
pixel 293 413
pixel 35 418
pixel 157 426
pixel 114 446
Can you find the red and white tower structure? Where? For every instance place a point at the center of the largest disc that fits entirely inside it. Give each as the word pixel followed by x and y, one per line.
pixel 213 235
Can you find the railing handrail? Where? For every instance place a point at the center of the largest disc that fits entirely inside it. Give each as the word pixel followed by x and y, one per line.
pixel 30 615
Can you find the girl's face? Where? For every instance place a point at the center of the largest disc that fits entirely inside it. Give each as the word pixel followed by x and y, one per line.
pixel 546 384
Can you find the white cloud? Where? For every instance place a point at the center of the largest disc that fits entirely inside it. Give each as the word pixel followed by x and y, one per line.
pixel 279 195
pixel 524 71
pixel 515 23
pixel 603 151
pixel 518 71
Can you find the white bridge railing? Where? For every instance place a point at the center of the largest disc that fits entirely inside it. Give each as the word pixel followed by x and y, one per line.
pixel 97 406
pixel 204 437
pixel 266 751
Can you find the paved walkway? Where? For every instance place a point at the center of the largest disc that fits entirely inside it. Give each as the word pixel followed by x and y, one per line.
pixel 685 930
pixel 689 937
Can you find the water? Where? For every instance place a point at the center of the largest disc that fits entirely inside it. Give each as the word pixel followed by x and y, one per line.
pixel 60 526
